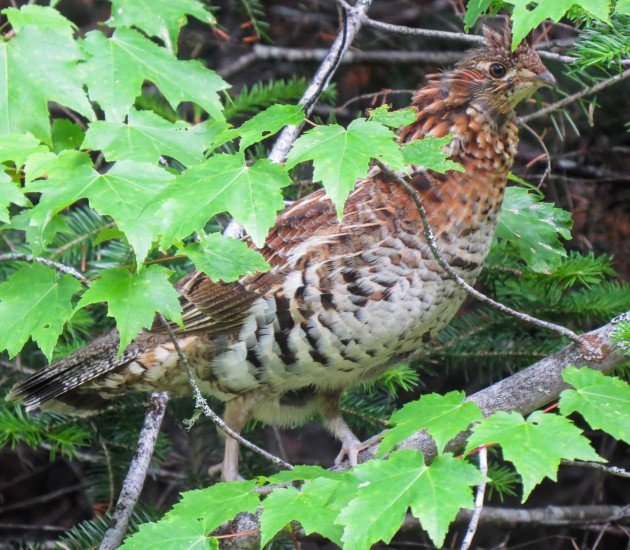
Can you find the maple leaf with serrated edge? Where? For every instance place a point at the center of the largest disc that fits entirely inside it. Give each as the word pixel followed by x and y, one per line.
pixel 528 14
pixel 216 504
pixel 223 183
pixel 532 228
pixel 160 18
pixel 313 507
pixel 341 157
pixel 443 416
pixel 122 193
pixel 179 533
pixel 35 302
pixel 39 66
pixel 9 193
pixel 144 138
pixel 388 488
pixel 133 298
pixel 223 258
pixel 117 67
pixel 268 122
pixel 16 148
pixel 428 152
pixel 393 119
pixel 535 446
pixel 603 401
pixel 302 472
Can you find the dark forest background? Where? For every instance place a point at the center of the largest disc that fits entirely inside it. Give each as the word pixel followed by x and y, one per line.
pixel 42 496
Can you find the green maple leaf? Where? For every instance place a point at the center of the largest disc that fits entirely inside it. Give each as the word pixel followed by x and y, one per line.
pixel 341 157
pixel 66 135
pixel 313 507
pixel 121 193
pixel 527 14
pixel 532 228
pixel 9 193
pixel 144 138
pixel 39 65
pixel 623 7
pixel 428 153
pixel 393 119
pixel 603 401
pixel 17 148
pixel 443 416
pixel 216 504
pixel 133 298
pixel 223 258
pixel 160 18
pixel 179 533
pixel 303 472
pixel 117 67
pixel 39 16
pixel 223 183
pixel 35 302
pixel 535 446
pixel 388 488
pixel 268 122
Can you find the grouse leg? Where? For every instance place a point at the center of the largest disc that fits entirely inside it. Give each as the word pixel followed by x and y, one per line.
pixel 237 413
pixel 336 425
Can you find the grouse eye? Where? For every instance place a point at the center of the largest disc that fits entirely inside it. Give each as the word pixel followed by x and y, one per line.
pixel 497 70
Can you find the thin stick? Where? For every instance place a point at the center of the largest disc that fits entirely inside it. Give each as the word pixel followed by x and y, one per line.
pixel 481 491
pixel 137 473
pixel 612 470
pixel 546 151
pixel 15 257
pixel 202 405
pixel 430 238
pixel 602 85
pixel 318 84
pixel 322 77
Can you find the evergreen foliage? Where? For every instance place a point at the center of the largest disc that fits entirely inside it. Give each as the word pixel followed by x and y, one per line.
pixel 122 196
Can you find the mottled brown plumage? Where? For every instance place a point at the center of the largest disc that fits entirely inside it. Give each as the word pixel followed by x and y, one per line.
pixel 344 300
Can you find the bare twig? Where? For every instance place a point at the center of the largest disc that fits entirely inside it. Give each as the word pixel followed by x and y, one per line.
pixel 546 152
pixel 491 516
pixel 481 491
pixel 322 77
pixel 202 405
pixel 54 495
pixel 137 473
pixel 602 85
pixel 430 238
pixel 318 84
pixel 15 257
pixel 612 470
pixel 263 52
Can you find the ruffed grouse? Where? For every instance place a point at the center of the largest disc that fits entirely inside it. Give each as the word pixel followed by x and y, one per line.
pixel 344 300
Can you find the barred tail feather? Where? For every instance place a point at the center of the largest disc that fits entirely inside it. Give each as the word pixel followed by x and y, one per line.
pixel 88 363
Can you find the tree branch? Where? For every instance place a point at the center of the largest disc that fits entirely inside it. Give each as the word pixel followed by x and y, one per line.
pixel 322 77
pixel 137 473
pixel 61 268
pixel 529 389
pixel 602 85
pixel 318 84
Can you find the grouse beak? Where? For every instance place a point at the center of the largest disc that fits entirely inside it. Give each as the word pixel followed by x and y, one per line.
pixel 547 79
